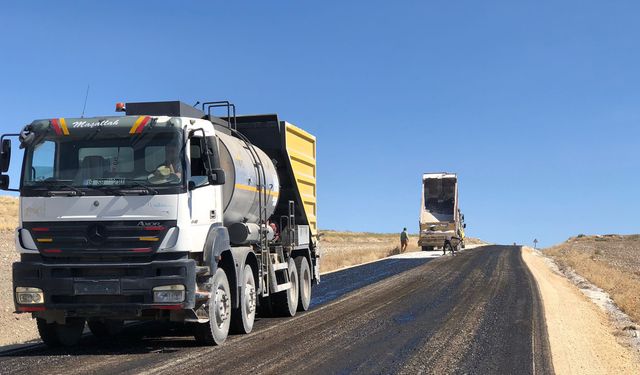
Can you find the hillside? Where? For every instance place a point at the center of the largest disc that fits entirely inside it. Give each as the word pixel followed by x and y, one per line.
pixel 611 262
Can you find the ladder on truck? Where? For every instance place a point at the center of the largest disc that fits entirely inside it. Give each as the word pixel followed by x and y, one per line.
pixel 274 271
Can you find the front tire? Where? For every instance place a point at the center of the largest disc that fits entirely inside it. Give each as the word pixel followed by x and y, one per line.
pixel 243 317
pixel 304 287
pixel 215 332
pixel 55 334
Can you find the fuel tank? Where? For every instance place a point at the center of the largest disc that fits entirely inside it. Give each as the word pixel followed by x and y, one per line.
pixel 240 192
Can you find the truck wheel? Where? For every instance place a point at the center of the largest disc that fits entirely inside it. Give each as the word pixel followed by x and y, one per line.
pixel 427 248
pixel 285 303
pixel 215 332
pixel 69 334
pixel 47 332
pixel 107 328
pixel 242 318
pixel 304 287
pixel 462 244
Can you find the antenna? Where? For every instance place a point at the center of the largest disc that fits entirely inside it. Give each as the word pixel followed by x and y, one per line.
pixel 86 96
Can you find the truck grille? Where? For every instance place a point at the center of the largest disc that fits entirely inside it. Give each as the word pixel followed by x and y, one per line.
pixel 105 237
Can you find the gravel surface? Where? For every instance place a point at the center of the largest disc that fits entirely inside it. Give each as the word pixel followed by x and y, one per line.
pixel 15 328
pixel 475 313
pixel 582 339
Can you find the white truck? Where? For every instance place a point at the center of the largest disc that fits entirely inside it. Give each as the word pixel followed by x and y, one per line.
pixel 166 213
pixel 441 222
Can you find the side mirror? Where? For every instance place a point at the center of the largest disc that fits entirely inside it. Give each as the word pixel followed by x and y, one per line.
pixel 464 225
pixel 5 155
pixel 217 177
pixel 4 182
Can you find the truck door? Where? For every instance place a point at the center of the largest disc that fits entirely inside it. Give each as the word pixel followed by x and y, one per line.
pixel 203 197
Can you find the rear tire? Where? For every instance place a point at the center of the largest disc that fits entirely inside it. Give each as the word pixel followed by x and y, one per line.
pixel 285 303
pixel 105 329
pixel 304 287
pixel 215 331
pixel 243 317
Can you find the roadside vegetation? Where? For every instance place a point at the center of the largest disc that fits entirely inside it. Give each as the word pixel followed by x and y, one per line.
pixel 611 262
pixel 344 249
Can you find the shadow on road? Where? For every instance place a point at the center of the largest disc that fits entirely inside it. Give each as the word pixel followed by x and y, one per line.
pixel 157 337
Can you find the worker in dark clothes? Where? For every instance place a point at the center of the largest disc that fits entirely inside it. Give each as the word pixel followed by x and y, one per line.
pixel 404 240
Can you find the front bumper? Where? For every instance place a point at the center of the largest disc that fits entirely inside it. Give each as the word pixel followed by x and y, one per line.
pixel 127 292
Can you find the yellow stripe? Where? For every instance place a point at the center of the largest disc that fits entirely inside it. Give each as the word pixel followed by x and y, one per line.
pixel 63 125
pixel 136 124
pixel 151 239
pixel 45 240
pixel 255 190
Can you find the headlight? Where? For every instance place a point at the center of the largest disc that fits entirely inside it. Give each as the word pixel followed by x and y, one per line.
pixel 168 294
pixel 29 296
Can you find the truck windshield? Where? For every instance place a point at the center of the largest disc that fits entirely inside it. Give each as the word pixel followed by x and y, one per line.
pixel 439 195
pixel 155 161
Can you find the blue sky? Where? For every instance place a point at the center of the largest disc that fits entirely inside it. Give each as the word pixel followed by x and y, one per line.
pixel 534 104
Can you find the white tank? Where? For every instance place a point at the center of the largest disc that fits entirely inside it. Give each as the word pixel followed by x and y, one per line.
pixel 240 192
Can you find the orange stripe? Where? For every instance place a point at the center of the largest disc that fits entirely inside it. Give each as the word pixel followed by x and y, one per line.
pixel 136 124
pixel 63 124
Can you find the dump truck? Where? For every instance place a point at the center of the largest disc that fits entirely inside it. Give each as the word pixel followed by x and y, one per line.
pixel 441 222
pixel 164 213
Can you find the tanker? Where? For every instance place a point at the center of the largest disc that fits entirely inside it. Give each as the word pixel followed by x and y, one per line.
pixel 165 213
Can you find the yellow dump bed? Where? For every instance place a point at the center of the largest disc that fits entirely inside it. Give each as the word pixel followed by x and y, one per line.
pixel 301 151
pixel 293 152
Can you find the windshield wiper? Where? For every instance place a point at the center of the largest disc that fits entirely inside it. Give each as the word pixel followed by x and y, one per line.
pixel 130 183
pixel 73 191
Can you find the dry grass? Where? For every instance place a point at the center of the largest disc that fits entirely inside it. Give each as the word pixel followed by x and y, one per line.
pixel 343 249
pixel 611 262
pixel 8 213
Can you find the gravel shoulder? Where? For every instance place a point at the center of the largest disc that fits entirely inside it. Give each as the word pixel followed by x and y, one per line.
pixel 581 337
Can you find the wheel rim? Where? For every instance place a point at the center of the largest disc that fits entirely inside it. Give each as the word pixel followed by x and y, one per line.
pixel 221 306
pixel 250 297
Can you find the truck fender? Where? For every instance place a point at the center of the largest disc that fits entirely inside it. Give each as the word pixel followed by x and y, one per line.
pixel 216 243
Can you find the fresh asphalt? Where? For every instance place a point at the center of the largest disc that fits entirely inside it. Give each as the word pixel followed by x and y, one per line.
pixel 478 312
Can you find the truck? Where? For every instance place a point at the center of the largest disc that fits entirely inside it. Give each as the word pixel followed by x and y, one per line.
pixel 441 221
pixel 165 212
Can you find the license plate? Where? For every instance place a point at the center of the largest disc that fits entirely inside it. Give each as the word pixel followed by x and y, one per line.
pixel 97 288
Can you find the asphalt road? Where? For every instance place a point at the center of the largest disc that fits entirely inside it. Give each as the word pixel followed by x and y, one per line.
pixel 478 312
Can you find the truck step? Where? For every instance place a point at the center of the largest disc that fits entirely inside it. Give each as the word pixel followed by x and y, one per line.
pixel 279 266
pixel 281 287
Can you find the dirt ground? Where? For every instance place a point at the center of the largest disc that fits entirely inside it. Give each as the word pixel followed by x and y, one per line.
pixel 581 336
pixel 15 328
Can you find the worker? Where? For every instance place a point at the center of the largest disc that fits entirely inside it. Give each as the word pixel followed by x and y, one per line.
pixel 404 240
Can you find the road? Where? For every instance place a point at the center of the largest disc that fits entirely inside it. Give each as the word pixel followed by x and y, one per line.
pixel 478 312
